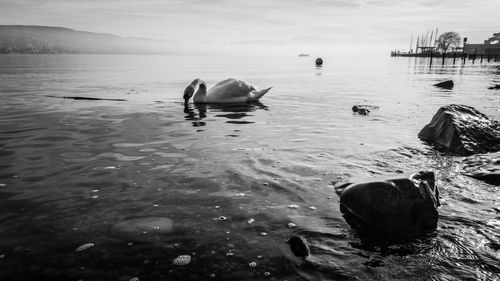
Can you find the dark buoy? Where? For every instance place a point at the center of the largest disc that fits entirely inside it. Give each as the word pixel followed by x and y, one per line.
pixel 319 62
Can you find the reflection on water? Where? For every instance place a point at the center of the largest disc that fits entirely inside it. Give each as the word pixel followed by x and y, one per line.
pixel 148 179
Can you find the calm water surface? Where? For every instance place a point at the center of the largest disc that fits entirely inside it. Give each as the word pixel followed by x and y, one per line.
pixel 72 170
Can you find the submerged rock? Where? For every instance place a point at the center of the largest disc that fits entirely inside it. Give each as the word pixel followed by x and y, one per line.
pixel 139 226
pixel 462 130
pixel 363 109
pixel 403 206
pixel 485 167
pixel 496 87
pixel 319 62
pixel 448 84
pixel 299 247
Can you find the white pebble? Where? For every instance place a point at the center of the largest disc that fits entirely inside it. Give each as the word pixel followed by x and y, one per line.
pixel 252 264
pixel 94 197
pixel 84 247
pixel 130 244
pixel 291 225
pixel 250 221
pixel 156 205
pixel 293 206
pixel 182 260
pixel 156 228
pixel 263 234
pixel 267 273
pixel 94 190
pixel 2 184
pixel 222 218
pixel 229 254
pixel 2 257
pixel 217 207
pixel 212 275
pixel 134 279
pixel 312 208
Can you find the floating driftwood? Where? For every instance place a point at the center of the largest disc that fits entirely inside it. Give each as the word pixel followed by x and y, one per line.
pixel 86 98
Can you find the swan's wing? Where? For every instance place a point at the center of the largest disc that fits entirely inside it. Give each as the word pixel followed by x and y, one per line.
pixel 230 90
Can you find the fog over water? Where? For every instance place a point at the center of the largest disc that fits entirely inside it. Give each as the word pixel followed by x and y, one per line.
pixel 264 27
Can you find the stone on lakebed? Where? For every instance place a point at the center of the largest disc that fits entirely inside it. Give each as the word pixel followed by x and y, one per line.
pixel 463 130
pixel 139 226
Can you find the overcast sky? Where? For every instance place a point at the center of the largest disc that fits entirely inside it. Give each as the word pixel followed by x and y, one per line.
pixel 278 24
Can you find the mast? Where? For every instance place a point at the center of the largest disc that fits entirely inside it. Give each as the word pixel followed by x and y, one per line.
pixel 430 42
pixel 435 38
pixel 418 41
pixel 411 43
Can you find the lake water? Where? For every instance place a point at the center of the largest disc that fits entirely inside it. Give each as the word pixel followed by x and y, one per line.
pixel 71 171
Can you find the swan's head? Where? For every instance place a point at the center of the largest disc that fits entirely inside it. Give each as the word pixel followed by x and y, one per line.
pixel 188 93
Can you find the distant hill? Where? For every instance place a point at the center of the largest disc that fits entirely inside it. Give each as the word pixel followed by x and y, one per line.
pixel 26 39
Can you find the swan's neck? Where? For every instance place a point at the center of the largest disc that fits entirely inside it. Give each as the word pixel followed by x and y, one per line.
pixel 201 94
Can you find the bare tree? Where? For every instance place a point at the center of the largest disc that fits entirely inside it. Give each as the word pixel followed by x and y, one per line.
pixel 447 40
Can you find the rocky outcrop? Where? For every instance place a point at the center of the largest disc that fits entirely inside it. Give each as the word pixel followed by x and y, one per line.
pixel 485 167
pixel 462 130
pixel 363 109
pixel 319 62
pixel 448 84
pixel 403 206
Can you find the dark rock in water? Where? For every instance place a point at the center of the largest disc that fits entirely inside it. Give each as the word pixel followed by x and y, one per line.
pixel 448 84
pixel 363 109
pixel 462 130
pixel 403 206
pixel 496 87
pixel 299 247
pixel 485 167
pixel 319 62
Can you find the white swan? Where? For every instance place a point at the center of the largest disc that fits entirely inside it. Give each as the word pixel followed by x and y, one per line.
pixel 228 91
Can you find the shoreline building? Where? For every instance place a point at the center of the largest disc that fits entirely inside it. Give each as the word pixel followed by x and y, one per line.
pixel 491 46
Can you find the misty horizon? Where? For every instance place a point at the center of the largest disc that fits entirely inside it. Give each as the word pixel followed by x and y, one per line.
pixel 262 27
